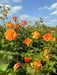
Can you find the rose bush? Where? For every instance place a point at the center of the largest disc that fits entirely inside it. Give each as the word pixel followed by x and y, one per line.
pixel 27 50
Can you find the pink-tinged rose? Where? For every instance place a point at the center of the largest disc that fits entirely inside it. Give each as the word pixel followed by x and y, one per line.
pixel 23 23
pixel 16 66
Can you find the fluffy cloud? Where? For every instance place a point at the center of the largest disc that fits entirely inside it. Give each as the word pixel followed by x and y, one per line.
pixel 33 18
pixel 5 5
pixel 1 4
pixel 8 6
pixel 55 20
pixel 51 22
pixel 53 6
pixel 4 1
pixel 46 17
pixel 7 1
pixel 48 23
pixel 1 15
pixel 22 17
pixel 54 13
pixel 14 10
pixel 17 0
pixel 45 7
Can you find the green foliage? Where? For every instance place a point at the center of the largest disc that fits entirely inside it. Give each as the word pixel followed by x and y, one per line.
pixel 16 50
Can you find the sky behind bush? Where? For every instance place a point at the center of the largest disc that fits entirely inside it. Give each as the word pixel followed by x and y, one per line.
pixel 32 10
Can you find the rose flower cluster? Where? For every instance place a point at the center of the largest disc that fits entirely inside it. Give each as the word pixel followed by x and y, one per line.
pixel 12 35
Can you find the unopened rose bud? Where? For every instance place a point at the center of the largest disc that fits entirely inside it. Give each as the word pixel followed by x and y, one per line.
pixel 16 66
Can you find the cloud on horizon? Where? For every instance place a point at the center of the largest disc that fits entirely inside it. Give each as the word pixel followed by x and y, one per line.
pixel 22 17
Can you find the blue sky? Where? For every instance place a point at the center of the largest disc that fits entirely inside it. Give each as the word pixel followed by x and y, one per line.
pixel 32 10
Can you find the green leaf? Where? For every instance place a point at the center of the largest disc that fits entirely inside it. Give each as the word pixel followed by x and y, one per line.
pixel 3 67
pixel 36 22
pixel 2 41
pixel 54 70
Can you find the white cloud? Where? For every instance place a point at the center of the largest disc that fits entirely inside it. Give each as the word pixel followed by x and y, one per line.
pixel 8 6
pixel 7 1
pixel 5 5
pixel 54 13
pixel 17 0
pixel 53 6
pixel 1 15
pixel 14 10
pixel 48 23
pixel 51 22
pixel 55 20
pixel 4 1
pixel 45 7
pixel 1 4
pixel 33 18
pixel 22 17
pixel 46 17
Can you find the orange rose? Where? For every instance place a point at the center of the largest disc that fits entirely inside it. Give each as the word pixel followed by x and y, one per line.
pixel 14 17
pixel 46 51
pixel 47 37
pixel 10 25
pixel 37 64
pixel 23 23
pixel 27 41
pixel 17 26
pixel 16 66
pixel 36 35
pixel 27 59
pixel 37 71
pixel 46 57
pixel 10 34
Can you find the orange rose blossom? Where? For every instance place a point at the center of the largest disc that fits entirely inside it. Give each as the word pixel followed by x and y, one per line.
pixel 46 51
pixel 36 35
pixel 10 34
pixel 17 26
pixel 27 59
pixel 47 37
pixel 27 41
pixel 14 17
pixel 37 64
pixel 10 25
